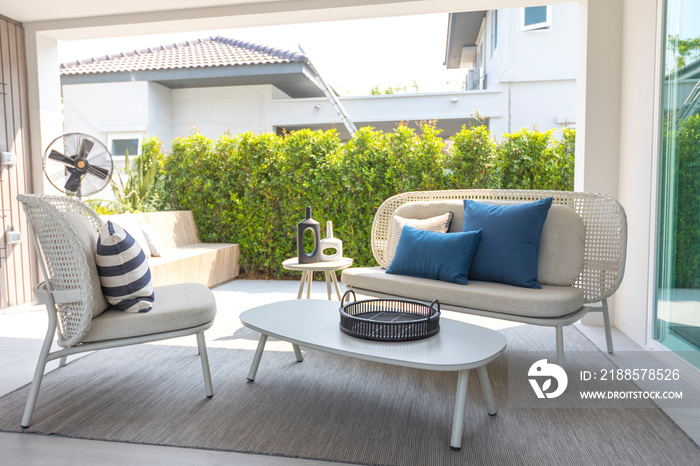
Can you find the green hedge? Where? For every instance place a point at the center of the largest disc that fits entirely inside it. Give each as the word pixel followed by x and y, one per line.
pixel 681 186
pixel 251 189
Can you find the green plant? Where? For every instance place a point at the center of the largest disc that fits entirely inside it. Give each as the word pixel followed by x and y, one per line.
pixel 683 50
pixel 139 193
pixel 472 161
pixel 685 178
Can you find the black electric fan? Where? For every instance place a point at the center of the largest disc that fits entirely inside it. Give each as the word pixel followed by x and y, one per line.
pixel 78 164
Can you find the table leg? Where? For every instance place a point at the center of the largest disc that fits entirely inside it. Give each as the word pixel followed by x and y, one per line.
pixel 335 282
pixel 297 352
pixel 301 284
pixel 328 283
pixel 460 406
pixel 486 390
pixel 256 359
pixel 310 277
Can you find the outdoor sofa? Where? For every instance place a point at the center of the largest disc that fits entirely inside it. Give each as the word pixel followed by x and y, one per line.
pixel 182 255
pixel 580 264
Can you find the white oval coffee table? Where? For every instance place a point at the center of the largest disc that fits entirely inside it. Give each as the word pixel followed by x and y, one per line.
pixel 315 324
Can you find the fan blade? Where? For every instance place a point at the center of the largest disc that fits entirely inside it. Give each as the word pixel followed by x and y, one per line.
pixel 86 147
pixel 98 171
pixel 73 182
pixel 55 155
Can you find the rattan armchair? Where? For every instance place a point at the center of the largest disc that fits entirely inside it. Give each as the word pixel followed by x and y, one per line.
pixel 68 291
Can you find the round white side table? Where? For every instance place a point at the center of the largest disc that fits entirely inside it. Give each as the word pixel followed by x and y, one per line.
pixel 329 268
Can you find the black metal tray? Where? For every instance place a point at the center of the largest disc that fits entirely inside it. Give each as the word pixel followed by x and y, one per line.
pixel 389 319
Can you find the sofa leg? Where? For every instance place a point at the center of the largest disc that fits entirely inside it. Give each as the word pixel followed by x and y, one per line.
pixel 608 329
pixel 560 344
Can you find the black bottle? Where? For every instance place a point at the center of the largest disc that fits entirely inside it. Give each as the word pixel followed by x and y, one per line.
pixel 315 227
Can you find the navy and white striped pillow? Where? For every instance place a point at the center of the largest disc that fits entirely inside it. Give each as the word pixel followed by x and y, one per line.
pixel 123 270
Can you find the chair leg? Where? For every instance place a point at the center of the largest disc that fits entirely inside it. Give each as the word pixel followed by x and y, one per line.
pixel 201 344
pixel 63 361
pixel 38 377
pixel 560 344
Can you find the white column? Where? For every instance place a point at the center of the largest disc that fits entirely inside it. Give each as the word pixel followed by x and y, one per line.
pixel 598 96
pixel 598 102
pixel 45 112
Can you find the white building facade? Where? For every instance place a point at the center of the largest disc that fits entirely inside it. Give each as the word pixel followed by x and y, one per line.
pixel 528 55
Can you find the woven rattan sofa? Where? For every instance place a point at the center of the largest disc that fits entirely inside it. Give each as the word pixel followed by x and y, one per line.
pixel 603 262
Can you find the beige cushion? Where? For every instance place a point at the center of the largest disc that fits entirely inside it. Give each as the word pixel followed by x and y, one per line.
pixel 439 224
pixel 129 223
pixel 176 307
pixel 560 259
pixel 87 235
pixel 155 242
pixel 550 301
pixel 561 247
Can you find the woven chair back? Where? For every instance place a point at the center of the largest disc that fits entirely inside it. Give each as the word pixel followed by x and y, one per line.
pixel 64 264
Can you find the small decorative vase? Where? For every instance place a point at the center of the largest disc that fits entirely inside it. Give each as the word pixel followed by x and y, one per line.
pixel 331 243
pixel 308 224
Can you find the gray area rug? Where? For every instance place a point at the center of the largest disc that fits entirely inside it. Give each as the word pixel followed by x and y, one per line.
pixel 336 409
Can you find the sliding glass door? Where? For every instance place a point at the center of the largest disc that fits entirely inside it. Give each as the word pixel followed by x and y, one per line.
pixel 677 323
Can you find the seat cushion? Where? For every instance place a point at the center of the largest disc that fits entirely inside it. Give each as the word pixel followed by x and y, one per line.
pixel 549 301
pixel 176 307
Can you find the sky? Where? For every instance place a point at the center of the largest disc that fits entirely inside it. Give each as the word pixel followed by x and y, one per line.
pixel 352 56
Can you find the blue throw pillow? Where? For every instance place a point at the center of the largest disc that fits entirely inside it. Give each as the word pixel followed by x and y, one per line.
pixel 510 241
pixel 439 256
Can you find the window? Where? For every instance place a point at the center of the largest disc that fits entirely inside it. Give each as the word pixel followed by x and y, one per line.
pixel 122 146
pixel 535 17
pixel 121 142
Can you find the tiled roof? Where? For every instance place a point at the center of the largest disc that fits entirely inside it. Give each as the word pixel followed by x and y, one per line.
pixel 209 52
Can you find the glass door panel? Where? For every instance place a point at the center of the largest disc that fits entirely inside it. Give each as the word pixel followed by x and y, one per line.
pixel 677 323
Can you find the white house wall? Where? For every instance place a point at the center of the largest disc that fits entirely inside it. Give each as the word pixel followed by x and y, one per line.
pixel 555 47
pixel 215 110
pixel 160 112
pixel 535 70
pixel 102 108
pixel 448 105
pixel 543 105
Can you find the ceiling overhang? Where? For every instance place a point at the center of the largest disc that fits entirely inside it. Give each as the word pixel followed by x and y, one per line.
pixel 462 32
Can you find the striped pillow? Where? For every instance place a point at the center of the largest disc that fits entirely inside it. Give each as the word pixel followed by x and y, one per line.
pixel 123 269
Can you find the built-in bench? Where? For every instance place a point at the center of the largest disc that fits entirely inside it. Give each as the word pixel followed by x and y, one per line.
pixel 581 259
pixel 185 258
